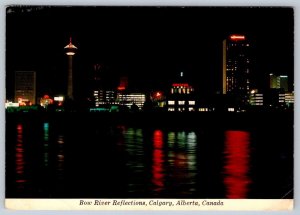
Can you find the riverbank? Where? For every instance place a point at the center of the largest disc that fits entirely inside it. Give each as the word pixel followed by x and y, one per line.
pixel 169 119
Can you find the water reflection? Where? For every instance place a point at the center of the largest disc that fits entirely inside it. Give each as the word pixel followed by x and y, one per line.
pixel 60 155
pixel 133 140
pixel 158 160
pixel 20 161
pixel 236 166
pixel 46 144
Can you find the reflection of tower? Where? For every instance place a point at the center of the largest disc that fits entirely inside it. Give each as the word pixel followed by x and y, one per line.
pixel 70 51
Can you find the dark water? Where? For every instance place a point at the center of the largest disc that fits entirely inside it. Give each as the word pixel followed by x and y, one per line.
pixel 56 158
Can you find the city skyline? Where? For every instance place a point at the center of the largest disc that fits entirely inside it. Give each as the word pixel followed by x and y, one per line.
pixel 170 40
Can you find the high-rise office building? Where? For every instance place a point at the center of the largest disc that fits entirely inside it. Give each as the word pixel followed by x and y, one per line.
pixel 25 87
pixel 277 82
pixel 236 68
pixel 70 52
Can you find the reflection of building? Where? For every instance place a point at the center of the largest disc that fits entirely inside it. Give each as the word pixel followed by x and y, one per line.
pixel 236 69
pixel 277 82
pixel 70 51
pixel 25 87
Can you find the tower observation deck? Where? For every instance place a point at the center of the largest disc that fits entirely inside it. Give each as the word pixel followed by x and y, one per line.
pixel 70 52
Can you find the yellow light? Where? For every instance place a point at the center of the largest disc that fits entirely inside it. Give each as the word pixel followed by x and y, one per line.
pixel 70 53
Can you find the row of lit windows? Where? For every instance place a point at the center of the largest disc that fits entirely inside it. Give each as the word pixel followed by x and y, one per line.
pixel 181 102
pixel 180 109
pixel 181 90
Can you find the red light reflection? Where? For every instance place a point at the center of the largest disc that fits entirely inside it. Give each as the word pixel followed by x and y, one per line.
pixel 158 158
pixel 20 155
pixel 236 164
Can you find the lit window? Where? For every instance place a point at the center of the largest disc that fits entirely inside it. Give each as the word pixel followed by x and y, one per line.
pixel 191 102
pixel 230 109
pixel 191 109
pixel 181 102
pixel 171 102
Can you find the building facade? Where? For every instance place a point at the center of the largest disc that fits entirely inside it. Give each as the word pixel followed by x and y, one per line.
pixel 236 69
pixel 25 87
pixel 181 98
pixel 277 82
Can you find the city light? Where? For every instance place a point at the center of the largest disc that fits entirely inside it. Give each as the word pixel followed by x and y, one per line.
pixel 237 37
pixel 180 85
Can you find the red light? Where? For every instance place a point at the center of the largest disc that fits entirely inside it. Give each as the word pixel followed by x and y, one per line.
pixel 180 85
pixel 236 164
pixel 121 88
pixel 237 37
pixel 158 159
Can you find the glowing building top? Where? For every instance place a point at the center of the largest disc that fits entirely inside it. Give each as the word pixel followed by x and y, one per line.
pixel 70 48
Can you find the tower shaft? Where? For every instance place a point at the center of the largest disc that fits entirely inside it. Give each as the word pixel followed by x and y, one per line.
pixel 70 77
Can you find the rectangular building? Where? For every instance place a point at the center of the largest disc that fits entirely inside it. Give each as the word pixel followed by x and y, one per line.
pixel 25 87
pixel 236 68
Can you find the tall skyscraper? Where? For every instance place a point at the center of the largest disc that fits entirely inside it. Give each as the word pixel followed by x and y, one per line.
pixel 236 68
pixel 25 87
pixel 70 52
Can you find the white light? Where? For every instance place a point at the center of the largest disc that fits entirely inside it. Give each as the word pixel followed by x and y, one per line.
pixel 59 98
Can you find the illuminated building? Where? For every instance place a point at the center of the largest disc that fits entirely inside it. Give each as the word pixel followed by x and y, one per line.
pixel 181 98
pixel 25 87
pixel 104 97
pixel 181 88
pixel 289 98
pixel 277 82
pixel 70 52
pixel 130 99
pixel 236 69
pixel 45 101
pixel 256 98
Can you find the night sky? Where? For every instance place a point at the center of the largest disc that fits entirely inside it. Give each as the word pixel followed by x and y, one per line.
pixel 150 45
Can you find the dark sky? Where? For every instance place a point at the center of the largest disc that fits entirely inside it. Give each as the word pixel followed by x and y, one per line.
pixel 151 45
